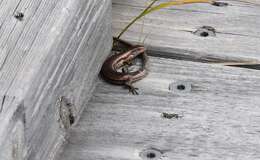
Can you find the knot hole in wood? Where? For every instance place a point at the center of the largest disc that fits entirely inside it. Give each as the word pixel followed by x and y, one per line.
pixel 66 113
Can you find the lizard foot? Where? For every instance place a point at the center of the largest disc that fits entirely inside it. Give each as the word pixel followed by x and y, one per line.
pixel 133 90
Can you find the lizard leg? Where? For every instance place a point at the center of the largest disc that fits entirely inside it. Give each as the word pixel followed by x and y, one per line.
pixel 125 69
pixel 131 88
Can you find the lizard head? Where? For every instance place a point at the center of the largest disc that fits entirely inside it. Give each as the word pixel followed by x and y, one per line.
pixel 137 50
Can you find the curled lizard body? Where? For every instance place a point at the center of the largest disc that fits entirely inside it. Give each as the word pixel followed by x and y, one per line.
pixel 110 68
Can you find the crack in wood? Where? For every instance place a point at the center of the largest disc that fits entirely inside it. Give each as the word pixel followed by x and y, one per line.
pixel 179 55
pixel 3 102
pixel 17 6
pixel 248 66
pixel 220 32
pixel 237 34
pixel 187 55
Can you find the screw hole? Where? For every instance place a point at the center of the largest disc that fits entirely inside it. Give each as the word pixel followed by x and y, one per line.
pixel 181 87
pixel 205 31
pixel 220 4
pixel 151 155
pixel 204 34
pixel 19 15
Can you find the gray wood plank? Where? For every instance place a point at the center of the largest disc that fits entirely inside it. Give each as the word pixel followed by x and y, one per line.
pixel 48 61
pixel 170 29
pixel 12 117
pixel 220 109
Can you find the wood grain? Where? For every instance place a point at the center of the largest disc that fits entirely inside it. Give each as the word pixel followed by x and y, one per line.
pixel 170 30
pixel 220 109
pixel 54 52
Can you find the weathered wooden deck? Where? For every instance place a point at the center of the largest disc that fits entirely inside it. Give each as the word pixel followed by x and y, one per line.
pixel 219 104
pixel 49 63
pixel 220 109
pixel 49 58
pixel 171 30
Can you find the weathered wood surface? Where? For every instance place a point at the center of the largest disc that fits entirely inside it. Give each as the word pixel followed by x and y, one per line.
pixel 48 61
pixel 169 31
pixel 220 109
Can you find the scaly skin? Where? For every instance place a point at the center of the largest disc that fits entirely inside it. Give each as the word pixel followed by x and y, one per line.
pixel 114 62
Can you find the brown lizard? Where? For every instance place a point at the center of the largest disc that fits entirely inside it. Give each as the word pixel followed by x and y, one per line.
pixel 110 67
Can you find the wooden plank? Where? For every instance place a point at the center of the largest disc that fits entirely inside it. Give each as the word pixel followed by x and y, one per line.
pixel 49 60
pixel 171 29
pixel 12 117
pixel 219 105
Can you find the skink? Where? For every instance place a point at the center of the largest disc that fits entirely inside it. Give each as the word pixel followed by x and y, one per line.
pixel 110 67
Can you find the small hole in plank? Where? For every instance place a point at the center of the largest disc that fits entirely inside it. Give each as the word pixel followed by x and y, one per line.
pixel 205 31
pixel 181 87
pixel 171 115
pixel 19 16
pixel 204 34
pixel 220 4
pixel 151 155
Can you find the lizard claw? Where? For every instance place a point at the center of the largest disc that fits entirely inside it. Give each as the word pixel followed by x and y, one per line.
pixel 133 91
pixel 131 88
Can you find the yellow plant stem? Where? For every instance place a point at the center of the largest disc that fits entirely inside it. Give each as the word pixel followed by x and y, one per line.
pixel 175 3
pixel 136 18
pixel 150 9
